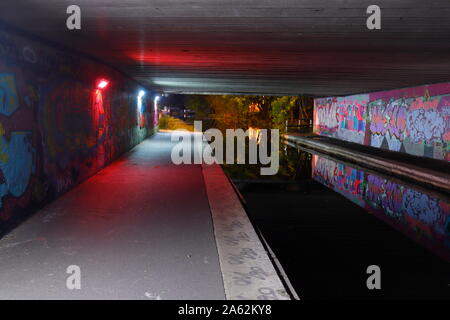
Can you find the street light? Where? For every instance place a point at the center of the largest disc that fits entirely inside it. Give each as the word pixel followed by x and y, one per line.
pixel 102 83
pixel 139 100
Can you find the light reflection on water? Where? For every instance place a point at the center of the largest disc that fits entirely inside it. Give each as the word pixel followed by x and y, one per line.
pixel 421 215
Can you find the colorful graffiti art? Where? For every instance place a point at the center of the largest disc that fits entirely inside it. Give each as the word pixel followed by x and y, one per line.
pixel 405 120
pixel 343 179
pixel 16 163
pixel 17 159
pixel 8 94
pixel 342 118
pixel 387 123
pixel 57 128
pixel 420 215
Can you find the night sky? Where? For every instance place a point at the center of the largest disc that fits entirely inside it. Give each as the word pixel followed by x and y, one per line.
pixel 173 100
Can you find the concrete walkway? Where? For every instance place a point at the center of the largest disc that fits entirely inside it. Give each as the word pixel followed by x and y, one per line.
pixel 140 229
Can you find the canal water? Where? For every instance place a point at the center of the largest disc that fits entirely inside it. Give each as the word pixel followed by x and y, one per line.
pixel 327 221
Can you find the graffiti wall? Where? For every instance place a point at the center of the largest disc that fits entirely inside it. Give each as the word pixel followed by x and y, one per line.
pixel 422 216
pixel 57 125
pixel 413 120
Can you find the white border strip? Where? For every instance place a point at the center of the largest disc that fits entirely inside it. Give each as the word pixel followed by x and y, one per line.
pixel 247 270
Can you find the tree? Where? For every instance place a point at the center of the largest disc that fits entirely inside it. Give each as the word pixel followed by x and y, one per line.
pixel 281 110
pixel 199 104
pixel 240 111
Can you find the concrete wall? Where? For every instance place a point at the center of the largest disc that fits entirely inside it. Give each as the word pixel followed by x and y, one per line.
pixel 56 128
pixel 412 120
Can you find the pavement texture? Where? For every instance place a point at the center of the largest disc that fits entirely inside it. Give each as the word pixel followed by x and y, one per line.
pixel 139 229
pixel 247 270
pixel 424 171
pixel 142 228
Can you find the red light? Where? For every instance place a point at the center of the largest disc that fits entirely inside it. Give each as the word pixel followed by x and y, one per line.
pixel 102 83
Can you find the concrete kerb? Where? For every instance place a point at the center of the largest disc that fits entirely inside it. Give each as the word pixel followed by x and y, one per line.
pixel 247 270
pixel 438 180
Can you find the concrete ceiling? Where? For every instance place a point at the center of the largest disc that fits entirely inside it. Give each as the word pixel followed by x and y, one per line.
pixel 317 47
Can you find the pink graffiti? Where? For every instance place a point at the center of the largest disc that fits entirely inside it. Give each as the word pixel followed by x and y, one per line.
pixel 339 176
pixel 352 113
pixel 385 193
pixel 327 114
pixel 389 117
pixel 419 103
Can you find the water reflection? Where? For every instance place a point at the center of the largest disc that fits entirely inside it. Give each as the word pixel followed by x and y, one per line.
pixel 254 134
pixel 419 213
pixel 294 164
pixel 422 215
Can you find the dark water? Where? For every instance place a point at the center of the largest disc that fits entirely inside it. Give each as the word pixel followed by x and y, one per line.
pixel 327 221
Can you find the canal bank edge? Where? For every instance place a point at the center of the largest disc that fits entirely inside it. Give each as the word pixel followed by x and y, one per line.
pixel 247 271
pixel 422 176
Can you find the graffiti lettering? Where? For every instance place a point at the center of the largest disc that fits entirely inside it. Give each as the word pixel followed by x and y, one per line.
pixel 415 125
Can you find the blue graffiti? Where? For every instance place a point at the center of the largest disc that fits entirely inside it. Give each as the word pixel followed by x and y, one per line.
pixel 8 94
pixel 421 207
pixel 16 165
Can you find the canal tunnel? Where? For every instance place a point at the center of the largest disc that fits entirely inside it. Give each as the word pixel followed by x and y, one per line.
pixel 82 92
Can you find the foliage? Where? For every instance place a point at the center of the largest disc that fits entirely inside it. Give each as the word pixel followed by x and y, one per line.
pixel 171 123
pixel 281 109
pixel 240 111
pixel 200 105
pixel 294 165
